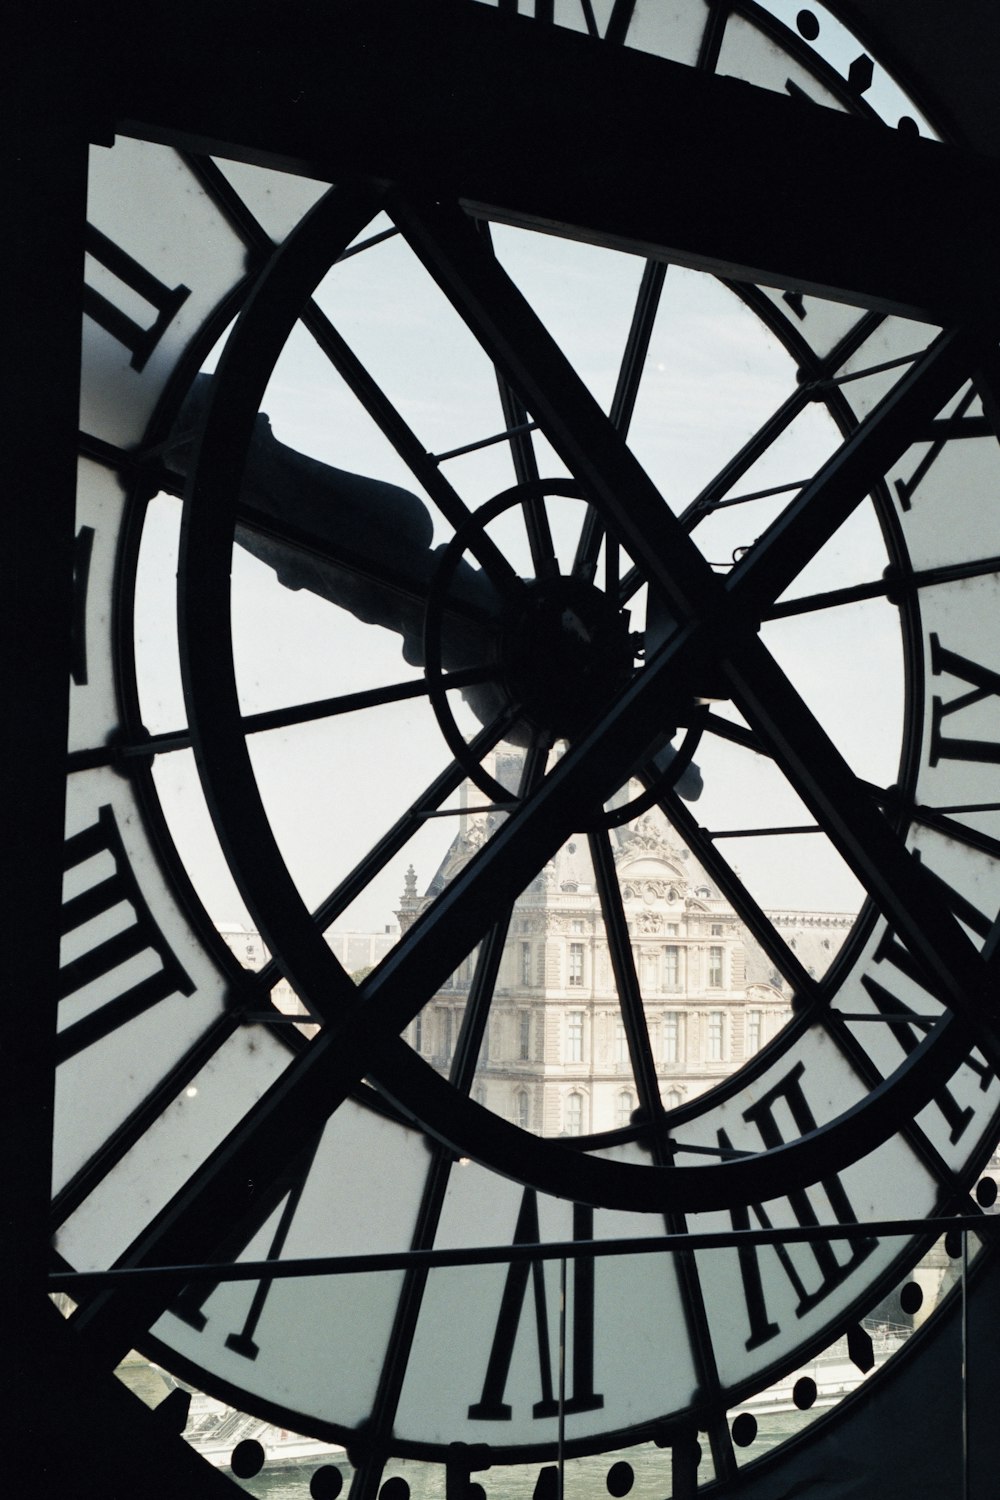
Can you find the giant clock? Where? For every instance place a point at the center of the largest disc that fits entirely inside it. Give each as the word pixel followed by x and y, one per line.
pixel 491 542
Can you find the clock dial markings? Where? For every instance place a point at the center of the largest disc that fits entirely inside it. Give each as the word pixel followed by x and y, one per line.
pixel 82 550
pixel 470 1040
pixel 982 684
pixel 807 994
pixel 869 845
pixel 906 488
pixel 938 818
pixel 580 1394
pixel 908 1029
pixel 99 988
pixel 189 1306
pixel 165 301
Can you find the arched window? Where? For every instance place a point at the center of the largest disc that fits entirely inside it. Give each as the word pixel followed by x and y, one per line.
pixel 673 1099
pixel 574 1114
pixel 624 1106
pixel 521 1109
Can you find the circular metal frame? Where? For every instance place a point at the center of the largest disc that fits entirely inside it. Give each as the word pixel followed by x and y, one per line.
pixel 221 754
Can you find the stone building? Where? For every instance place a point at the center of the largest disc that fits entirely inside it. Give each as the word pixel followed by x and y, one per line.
pixel 555 1056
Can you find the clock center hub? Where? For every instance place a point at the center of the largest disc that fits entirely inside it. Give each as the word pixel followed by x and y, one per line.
pixel 565 649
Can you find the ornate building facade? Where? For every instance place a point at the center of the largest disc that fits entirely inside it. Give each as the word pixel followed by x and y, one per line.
pixel 555 1057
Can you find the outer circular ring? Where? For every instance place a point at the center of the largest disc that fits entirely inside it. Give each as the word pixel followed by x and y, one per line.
pixel 223 761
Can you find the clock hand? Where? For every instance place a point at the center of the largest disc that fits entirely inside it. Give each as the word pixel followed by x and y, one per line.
pixel 364 545
pixel 360 543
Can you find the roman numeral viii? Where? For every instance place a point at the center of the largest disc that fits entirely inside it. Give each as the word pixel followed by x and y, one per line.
pixel 813 1270
pixel 162 301
pixel 107 975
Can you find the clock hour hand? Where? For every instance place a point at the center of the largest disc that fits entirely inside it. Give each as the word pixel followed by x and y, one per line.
pixel 361 543
pixel 366 546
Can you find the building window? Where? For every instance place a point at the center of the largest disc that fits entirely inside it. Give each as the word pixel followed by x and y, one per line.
pixel 716 929
pixel 526 963
pixel 446 1034
pixel 621 1043
pixel 753 1032
pixel 715 968
pixel 479 1094
pixel 671 1037
pixel 574 1036
pixel 521 1109
pixel 576 964
pixel 671 968
pixel 418 1034
pixel 524 1035
pixel 574 1114
pixel 716 1036
pixel 576 925
pixel 671 929
pixel 674 1099
pixel 624 1106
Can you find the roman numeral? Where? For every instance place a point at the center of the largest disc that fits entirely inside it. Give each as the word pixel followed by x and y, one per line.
pixel 164 301
pixel 82 550
pixel 491 1406
pixel 906 488
pixel 101 964
pixel 190 1305
pixel 813 1270
pixel 909 1033
pixel 984 683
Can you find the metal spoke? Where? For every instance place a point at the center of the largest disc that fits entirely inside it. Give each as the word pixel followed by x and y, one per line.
pixel 396 838
pixel 893 586
pixel 626 980
pixel 736 893
pixel 170 740
pixel 841 484
pixel 422 464
pixel 536 521
pixel 406 444
pixel 481 992
pixel 623 402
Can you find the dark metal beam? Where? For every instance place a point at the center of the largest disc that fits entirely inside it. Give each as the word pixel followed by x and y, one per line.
pixel 455 98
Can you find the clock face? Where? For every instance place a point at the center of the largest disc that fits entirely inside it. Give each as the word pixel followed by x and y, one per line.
pixel 559 575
